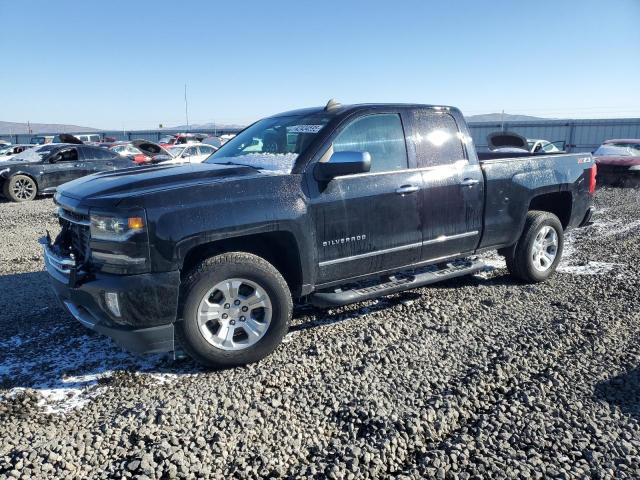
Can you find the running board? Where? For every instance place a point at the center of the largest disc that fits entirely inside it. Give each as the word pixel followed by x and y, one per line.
pixel 395 283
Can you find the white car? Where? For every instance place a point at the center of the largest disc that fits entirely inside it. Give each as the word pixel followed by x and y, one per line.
pixel 191 153
pixel 9 151
pixel 537 145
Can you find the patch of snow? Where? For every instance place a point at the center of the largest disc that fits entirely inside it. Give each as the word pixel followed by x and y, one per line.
pixel 65 369
pixel 591 268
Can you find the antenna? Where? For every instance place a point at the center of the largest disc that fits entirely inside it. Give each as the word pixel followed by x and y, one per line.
pixel 186 106
pixel 332 104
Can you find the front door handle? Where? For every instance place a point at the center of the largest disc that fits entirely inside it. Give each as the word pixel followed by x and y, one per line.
pixel 77 165
pixel 403 190
pixel 109 164
pixel 469 182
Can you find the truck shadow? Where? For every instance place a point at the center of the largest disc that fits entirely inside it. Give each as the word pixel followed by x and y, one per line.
pixel 622 391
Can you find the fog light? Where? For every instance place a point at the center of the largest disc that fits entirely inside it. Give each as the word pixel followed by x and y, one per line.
pixel 113 302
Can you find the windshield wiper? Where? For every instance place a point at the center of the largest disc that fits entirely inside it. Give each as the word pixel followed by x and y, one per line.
pixel 239 164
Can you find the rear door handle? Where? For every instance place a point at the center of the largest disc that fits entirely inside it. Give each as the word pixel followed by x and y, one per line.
pixel 469 182
pixel 109 164
pixel 77 165
pixel 403 190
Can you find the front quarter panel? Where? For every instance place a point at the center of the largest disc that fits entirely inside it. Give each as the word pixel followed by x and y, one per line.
pixel 182 219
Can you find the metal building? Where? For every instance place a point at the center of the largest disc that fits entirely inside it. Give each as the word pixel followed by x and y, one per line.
pixel 577 135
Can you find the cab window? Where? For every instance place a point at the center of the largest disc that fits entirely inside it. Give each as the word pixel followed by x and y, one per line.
pixel 381 135
pixel 436 139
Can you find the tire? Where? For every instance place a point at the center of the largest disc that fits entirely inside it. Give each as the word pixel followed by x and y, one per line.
pixel 20 188
pixel 535 256
pixel 252 329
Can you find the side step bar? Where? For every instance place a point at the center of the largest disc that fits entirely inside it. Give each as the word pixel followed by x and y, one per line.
pixel 395 283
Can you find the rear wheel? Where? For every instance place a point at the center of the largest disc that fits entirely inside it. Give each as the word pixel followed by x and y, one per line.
pixel 20 188
pixel 236 311
pixel 536 255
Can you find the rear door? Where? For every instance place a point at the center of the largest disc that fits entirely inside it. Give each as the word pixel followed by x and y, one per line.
pixel 369 222
pixel 453 196
pixel 98 159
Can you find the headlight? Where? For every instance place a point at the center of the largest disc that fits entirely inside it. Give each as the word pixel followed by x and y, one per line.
pixel 116 228
pixel 119 241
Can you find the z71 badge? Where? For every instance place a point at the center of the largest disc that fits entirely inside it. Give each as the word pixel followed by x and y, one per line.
pixel 341 241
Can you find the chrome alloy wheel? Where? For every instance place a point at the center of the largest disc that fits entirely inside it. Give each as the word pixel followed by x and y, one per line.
pixel 234 314
pixel 545 248
pixel 23 188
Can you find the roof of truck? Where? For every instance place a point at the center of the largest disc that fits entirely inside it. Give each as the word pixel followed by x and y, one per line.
pixel 361 106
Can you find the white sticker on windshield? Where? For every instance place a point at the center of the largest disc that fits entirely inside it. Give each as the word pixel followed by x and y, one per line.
pixel 304 128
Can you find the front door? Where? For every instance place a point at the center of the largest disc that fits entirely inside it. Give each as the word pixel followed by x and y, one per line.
pixel 369 222
pixel 453 194
pixel 68 165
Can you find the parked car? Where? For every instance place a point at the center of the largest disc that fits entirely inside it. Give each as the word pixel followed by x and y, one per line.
pixel 9 151
pixel 41 169
pixel 88 137
pixel 214 141
pixel 126 149
pixel 181 139
pixel 618 160
pixel 343 204
pixel 194 153
pixel 42 139
pixel 538 145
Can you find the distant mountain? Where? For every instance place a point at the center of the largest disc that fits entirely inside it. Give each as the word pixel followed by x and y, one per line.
pixel 206 126
pixel 498 117
pixel 13 128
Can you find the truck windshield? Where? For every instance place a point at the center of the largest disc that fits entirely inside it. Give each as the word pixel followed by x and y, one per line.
pixel 272 143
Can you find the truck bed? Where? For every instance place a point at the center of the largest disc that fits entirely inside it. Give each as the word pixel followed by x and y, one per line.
pixel 512 180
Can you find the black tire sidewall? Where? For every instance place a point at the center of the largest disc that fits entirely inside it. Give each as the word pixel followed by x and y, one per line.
pixel 524 249
pixel 202 282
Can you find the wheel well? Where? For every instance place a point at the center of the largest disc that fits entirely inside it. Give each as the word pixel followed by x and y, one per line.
pixel 278 248
pixel 558 203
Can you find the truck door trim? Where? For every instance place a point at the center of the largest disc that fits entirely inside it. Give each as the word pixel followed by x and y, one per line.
pixel 370 254
pixel 446 238
pixel 441 238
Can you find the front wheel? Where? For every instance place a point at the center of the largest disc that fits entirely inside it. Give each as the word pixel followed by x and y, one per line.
pixel 236 311
pixel 20 188
pixel 536 255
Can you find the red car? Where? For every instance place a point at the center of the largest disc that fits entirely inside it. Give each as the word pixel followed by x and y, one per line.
pixel 618 159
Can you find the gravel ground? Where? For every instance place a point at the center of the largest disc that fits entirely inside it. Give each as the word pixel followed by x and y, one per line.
pixel 479 377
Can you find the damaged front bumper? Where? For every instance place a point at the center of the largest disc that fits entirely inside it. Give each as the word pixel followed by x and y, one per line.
pixel 148 303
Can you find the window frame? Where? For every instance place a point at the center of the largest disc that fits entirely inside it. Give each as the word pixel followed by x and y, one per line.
pixel 466 156
pixel 347 122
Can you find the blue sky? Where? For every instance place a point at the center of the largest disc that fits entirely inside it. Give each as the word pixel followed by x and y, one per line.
pixel 117 64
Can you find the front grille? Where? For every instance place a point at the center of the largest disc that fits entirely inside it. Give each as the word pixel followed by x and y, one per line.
pixel 77 234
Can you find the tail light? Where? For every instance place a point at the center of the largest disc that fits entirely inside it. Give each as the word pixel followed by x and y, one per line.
pixel 592 178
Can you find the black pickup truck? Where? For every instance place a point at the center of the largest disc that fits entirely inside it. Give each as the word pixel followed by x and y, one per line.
pixel 327 206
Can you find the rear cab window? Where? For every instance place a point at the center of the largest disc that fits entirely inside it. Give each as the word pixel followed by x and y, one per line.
pixel 436 139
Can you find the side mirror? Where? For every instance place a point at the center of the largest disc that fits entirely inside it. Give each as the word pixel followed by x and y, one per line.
pixel 342 163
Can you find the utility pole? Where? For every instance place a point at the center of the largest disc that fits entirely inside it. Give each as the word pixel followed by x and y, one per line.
pixel 186 106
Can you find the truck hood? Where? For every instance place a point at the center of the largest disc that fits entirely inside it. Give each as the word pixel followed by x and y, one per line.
pixel 107 188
